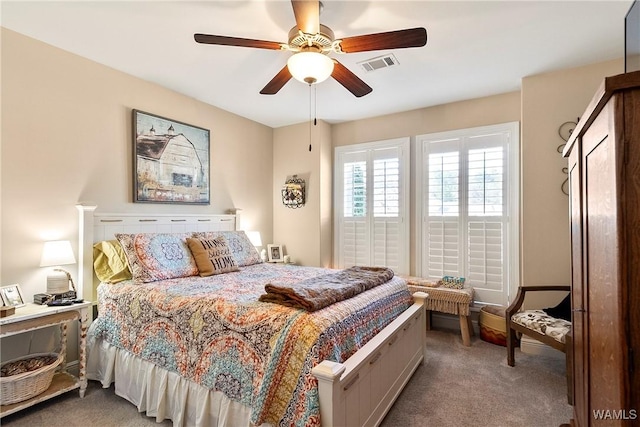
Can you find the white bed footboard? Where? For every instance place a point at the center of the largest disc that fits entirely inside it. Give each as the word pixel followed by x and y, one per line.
pixel 360 391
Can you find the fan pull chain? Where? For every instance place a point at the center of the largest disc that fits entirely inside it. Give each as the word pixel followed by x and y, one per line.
pixel 312 111
pixel 310 115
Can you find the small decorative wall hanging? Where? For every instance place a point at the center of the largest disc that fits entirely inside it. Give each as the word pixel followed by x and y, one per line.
pixel 293 192
pixel 565 130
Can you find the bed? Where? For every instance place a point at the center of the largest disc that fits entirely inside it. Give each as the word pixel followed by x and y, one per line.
pixel 205 351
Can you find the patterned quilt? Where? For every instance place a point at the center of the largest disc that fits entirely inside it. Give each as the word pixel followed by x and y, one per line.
pixel 215 332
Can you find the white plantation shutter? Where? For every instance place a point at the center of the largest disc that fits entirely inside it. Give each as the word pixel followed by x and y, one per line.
pixel 387 246
pixel 444 184
pixel 355 238
pixel 486 176
pixel 485 259
pixel 467 206
pixel 355 188
pixel 355 229
pixel 371 204
pixel 443 248
pixel 443 242
pixel 386 178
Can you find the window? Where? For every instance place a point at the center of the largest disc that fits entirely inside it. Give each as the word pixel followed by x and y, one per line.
pixel 371 205
pixel 355 187
pixel 386 185
pixel 468 201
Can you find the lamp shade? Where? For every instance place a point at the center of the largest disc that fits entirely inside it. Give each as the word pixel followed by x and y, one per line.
pixel 254 237
pixel 57 253
pixel 310 67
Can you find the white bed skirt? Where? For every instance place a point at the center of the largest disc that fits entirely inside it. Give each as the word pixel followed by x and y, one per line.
pixel 160 393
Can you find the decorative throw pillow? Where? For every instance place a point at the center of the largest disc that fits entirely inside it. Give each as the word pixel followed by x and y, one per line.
pixel 452 282
pixel 158 256
pixel 110 262
pixel 212 256
pixel 562 310
pixel 241 247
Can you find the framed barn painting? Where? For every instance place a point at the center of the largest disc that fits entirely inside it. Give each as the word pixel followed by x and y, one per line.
pixel 171 161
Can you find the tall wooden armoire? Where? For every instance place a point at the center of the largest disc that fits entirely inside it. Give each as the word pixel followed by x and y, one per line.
pixel 604 181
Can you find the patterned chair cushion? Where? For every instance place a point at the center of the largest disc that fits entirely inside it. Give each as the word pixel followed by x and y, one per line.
pixel 541 322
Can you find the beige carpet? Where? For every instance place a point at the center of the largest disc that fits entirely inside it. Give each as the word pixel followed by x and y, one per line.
pixel 474 386
pixel 456 386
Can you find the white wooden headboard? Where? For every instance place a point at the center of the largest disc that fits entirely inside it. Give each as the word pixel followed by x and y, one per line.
pixel 95 227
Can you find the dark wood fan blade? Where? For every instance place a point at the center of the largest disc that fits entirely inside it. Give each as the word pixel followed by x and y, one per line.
pixel 350 81
pixel 414 37
pixel 307 14
pixel 236 41
pixel 277 82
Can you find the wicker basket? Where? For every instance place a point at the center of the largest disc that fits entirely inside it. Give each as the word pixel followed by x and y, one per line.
pixel 19 387
pixel 493 325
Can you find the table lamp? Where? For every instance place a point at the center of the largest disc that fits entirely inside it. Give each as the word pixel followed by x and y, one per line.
pixel 255 238
pixel 55 254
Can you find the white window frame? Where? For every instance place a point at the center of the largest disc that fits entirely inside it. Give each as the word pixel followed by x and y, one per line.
pixel 403 145
pixel 512 165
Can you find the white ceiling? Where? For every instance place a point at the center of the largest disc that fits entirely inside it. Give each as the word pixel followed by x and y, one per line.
pixel 474 48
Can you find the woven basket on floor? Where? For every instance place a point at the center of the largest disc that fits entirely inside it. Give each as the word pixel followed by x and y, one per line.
pixel 493 325
pixel 19 387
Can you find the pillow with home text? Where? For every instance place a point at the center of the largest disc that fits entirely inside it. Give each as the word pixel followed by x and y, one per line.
pixel 241 247
pixel 212 256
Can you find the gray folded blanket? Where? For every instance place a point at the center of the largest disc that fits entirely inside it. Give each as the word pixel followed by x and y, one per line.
pixel 322 291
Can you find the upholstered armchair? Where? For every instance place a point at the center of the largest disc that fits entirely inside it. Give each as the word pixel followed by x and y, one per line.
pixel 538 324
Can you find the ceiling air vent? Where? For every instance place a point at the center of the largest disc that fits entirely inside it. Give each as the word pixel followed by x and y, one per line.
pixel 378 63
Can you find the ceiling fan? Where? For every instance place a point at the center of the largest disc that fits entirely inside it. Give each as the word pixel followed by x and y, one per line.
pixel 311 43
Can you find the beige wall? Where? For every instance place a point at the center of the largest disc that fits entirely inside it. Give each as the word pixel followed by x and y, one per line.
pixel 457 115
pixel 548 100
pixel 66 137
pixel 305 232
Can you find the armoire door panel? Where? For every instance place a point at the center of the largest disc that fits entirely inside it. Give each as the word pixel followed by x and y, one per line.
pixel 578 293
pixel 601 241
pixel 631 192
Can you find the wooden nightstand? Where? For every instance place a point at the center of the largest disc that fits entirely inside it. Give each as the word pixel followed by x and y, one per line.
pixel 31 317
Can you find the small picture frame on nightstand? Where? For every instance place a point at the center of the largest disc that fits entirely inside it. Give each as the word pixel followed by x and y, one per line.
pixel 12 296
pixel 275 253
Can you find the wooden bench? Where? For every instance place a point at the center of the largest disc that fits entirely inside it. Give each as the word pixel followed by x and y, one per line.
pixel 446 300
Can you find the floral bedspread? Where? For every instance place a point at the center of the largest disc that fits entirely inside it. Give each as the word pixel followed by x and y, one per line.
pixel 214 331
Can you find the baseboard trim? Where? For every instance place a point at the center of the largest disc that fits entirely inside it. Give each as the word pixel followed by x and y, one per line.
pixel 72 368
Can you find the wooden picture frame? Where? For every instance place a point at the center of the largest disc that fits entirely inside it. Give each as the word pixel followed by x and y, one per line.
pixel 170 161
pixel 275 253
pixel 12 296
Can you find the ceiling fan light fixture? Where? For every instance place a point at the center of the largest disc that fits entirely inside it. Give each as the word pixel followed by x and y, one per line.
pixel 310 67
